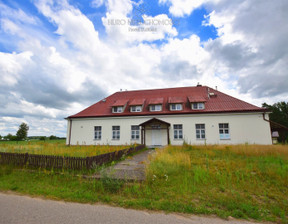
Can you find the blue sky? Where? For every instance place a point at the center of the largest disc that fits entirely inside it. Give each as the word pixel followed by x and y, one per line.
pixel 186 26
pixel 58 57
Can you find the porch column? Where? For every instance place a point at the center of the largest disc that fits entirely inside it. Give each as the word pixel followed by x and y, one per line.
pixel 168 137
pixel 143 140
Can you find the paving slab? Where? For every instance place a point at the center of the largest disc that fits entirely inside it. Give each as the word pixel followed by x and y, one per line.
pixel 130 169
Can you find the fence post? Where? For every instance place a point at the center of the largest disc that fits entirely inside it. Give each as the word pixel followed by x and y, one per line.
pixel 87 163
pixel 26 158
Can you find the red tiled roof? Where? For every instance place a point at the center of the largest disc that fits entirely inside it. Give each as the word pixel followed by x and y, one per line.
pixel 219 103
pixel 120 102
pixel 175 100
pixel 137 102
pixel 199 99
pixel 155 101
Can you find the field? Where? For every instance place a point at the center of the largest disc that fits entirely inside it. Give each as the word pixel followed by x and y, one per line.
pixel 57 148
pixel 243 181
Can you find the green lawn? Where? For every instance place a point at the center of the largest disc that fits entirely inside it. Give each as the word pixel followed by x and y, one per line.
pixel 244 181
pixel 57 147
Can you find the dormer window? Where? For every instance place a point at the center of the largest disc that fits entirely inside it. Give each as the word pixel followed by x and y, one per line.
pixel 175 103
pixel 198 106
pixel 118 109
pixel 197 102
pixel 176 106
pixel 119 106
pixel 135 108
pixel 157 107
pixel 156 104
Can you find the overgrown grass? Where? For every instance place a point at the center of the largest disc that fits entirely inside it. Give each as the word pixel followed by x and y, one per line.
pixel 57 147
pixel 245 181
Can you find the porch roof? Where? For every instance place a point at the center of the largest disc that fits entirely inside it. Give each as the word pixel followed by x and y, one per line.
pixel 154 120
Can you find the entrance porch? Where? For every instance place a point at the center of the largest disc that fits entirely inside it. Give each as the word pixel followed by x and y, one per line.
pixel 155 132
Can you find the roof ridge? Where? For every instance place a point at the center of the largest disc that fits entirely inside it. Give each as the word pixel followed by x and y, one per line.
pixel 141 90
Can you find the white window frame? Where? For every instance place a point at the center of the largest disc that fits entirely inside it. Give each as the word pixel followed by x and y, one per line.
pixel 176 106
pixel 156 107
pixel 135 132
pixel 224 131
pixel 118 109
pixel 135 108
pixel 197 106
pixel 97 132
pixel 200 131
pixel 178 131
pixel 116 132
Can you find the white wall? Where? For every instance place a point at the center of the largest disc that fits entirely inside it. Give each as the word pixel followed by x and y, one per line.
pixel 244 128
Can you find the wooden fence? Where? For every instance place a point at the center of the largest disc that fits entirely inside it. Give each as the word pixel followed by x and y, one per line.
pixel 60 162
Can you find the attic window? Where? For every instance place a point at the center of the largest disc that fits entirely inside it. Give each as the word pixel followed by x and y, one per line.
pixel 157 107
pixel 198 106
pixel 118 109
pixel 135 108
pixel 176 106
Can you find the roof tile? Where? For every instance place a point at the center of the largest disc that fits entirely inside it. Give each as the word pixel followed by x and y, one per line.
pixel 219 103
pixel 137 102
pixel 155 101
pixel 176 100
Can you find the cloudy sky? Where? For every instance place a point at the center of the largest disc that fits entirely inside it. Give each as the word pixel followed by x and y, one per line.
pixel 58 57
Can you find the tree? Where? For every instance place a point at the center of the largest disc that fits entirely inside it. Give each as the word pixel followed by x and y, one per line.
pixel 0 137
pixel 10 137
pixel 22 131
pixel 53 137
pixel 279 114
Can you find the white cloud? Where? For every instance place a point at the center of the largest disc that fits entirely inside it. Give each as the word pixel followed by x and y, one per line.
pixel 18 15
pixel 123 7
pixel 57 74
pixel 182 8
pixel 9 26
pixel 11 65
pixel 252 47
pixel 121 31
pixel 97 3
pixel 72 25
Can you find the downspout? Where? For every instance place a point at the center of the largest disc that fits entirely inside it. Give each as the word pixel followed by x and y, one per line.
pixel 275 123
pixel 70 130
pixel 269 125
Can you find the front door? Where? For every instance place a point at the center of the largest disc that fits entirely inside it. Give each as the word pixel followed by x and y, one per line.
pixel 156 137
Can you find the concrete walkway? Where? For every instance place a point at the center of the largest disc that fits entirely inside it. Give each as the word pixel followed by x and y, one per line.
pixel 130 169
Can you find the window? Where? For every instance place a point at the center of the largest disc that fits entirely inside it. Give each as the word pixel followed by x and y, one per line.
pixel 198 106
pixel 224 131
pixel 117 109
pixel 156 107
pixel 115 132
pixel 200 131
pixel 176 106
pixel 97 132
pixel 135 132
pixel 135 108
pixel 178 132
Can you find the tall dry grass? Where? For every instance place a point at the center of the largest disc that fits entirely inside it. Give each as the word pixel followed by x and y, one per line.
pixel 172 158
pixel 236 178
pixel 58 148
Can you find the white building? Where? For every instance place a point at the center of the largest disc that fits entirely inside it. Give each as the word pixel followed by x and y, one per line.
pixel 196 115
